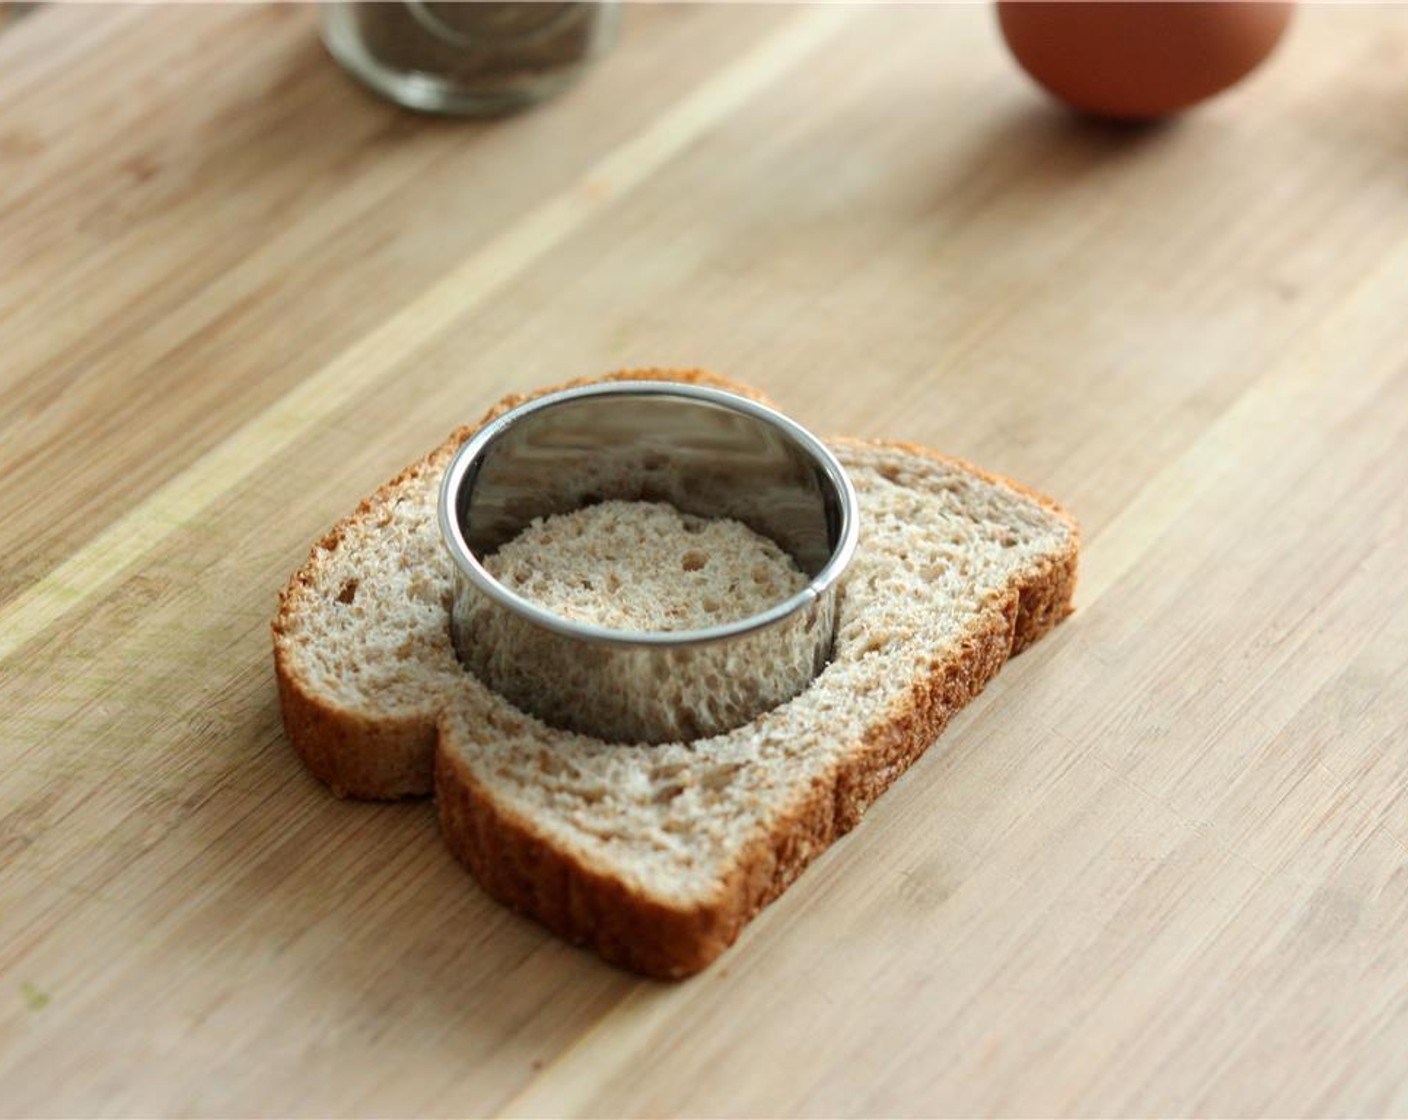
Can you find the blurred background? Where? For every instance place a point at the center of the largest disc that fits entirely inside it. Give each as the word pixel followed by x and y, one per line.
pixel 1149 259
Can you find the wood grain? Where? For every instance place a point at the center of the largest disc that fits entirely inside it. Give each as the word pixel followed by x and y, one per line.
pixel 1160 867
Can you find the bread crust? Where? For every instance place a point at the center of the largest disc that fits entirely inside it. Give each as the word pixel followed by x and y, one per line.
pixel 373 757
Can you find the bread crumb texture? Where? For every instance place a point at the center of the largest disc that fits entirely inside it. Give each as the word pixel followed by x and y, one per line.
pixel 645 566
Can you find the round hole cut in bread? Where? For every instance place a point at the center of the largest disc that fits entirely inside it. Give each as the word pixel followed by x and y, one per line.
pixel 657 856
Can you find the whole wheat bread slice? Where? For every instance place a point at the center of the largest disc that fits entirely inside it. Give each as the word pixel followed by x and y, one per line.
pixel 657 856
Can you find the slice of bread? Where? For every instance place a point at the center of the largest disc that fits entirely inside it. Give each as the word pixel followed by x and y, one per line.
pixel 657 856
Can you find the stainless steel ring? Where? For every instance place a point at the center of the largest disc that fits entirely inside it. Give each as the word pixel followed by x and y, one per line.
pixel 709 453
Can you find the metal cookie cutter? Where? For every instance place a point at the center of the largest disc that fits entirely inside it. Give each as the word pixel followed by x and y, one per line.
pixel 709 453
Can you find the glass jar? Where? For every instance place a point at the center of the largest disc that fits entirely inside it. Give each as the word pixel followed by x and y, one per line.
pixel 468 58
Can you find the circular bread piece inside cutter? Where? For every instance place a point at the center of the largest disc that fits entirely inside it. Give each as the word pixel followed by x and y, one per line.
pixel 709 453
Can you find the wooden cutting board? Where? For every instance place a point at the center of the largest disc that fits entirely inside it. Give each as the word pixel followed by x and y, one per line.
pixel 1161 867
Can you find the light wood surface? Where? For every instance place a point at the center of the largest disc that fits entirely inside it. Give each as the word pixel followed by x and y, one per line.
pixel 1160 867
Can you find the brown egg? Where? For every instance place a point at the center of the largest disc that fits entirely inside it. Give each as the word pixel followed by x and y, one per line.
pixel 1137 60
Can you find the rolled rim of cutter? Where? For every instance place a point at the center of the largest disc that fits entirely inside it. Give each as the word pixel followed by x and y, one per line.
pixel 473 569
